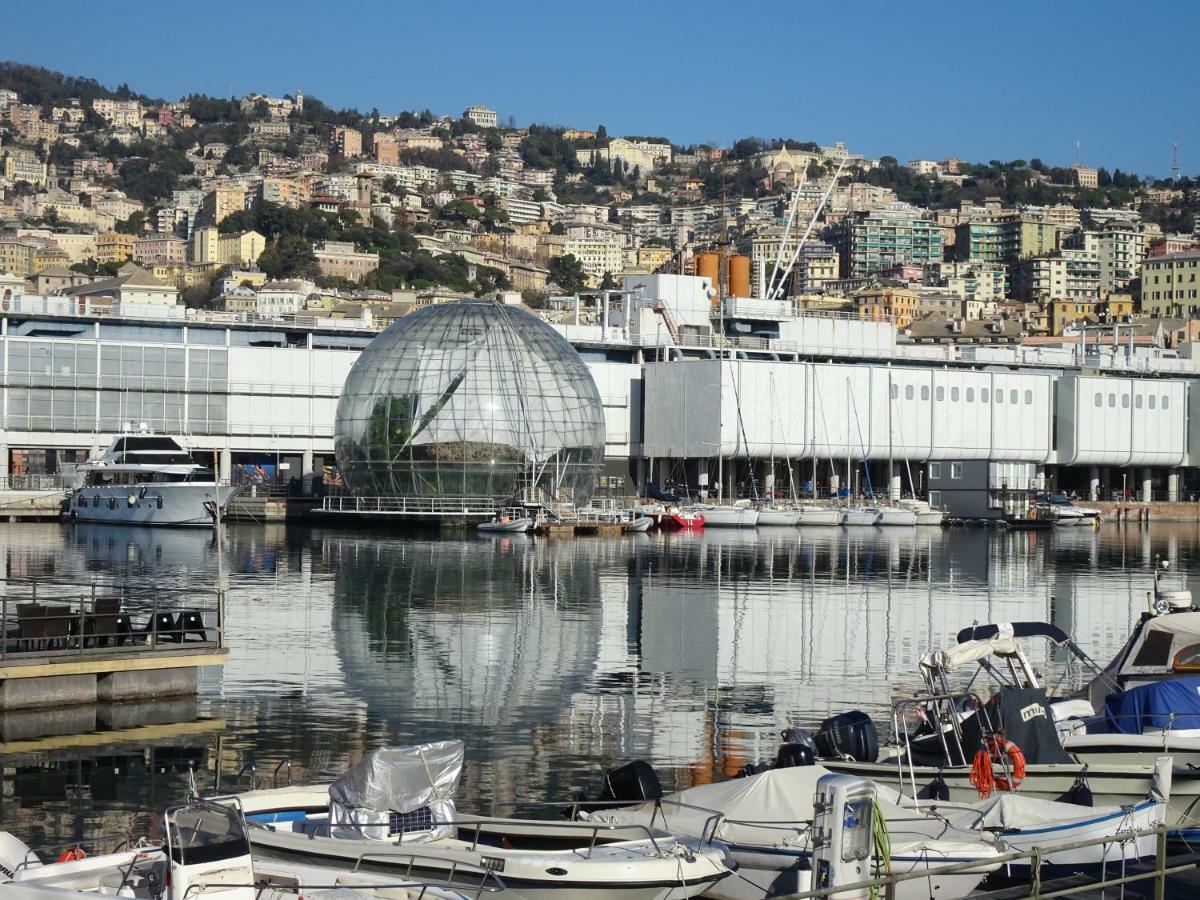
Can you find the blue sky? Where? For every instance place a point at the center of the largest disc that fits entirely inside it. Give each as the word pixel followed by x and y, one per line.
pixel 979 81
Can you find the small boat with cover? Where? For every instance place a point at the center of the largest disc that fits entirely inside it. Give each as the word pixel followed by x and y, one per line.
pixel 400 800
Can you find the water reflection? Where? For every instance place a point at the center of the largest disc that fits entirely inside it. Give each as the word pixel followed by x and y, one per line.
pixel 551 658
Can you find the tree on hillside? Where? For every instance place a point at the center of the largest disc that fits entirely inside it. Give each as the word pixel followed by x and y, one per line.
pixel 567 272
pixel 289 257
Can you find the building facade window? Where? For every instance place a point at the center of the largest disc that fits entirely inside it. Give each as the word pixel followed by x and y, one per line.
pixel 935 470
pixel 956 470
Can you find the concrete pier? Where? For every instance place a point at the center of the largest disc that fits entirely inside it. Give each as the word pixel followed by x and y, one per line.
pixel 132 674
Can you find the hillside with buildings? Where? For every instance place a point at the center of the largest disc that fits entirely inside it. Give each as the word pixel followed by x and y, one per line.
pixel 265 206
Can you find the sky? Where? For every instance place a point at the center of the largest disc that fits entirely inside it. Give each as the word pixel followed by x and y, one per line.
pixel 1012 80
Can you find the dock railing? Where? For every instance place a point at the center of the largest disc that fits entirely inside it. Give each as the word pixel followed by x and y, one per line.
pixel 411 506
pixel 51 621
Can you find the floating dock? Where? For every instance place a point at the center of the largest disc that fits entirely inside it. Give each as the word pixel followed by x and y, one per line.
pixel 61 649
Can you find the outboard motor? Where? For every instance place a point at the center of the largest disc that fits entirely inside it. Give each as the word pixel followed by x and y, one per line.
pixel 795 755
pixel 13 854
pixel 634 782
pixel 849 735
pixel 843 838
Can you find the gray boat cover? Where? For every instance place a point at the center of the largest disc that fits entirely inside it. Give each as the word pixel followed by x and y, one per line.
pixel 398 780
pixel 774 809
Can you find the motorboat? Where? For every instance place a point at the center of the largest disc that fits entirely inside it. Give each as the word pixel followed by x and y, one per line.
pixel 926 514
pixel 780 516
pixel 639 525
pixel 897 515
pixel 769 820
pixel 206 852
pixel 1066 512
pixel 147 479
pixel 513 520
pixel 968 747
pixel 861 515
pixel 736 515
pixel 400 800
pixel 1145 702
pixel 813 515
pixel 677 519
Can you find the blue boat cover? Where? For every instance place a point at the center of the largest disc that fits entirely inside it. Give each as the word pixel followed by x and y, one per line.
pixel 1152 705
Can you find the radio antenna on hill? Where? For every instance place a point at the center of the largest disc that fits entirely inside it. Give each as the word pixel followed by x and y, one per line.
pixel 1175 164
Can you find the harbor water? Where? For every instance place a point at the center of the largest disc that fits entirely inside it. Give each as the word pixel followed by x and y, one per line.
pixel 552 659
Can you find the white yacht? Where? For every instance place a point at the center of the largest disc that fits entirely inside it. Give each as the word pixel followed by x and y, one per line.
pixel 147 479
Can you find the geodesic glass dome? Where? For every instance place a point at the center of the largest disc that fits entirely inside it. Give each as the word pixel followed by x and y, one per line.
pixel 470 399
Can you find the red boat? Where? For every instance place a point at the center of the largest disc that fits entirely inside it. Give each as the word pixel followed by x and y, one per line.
pixel 681 520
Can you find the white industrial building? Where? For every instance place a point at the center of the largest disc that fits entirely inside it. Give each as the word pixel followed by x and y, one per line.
pixel 781 409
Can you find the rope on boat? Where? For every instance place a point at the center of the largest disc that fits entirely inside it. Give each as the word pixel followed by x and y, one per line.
pixel 883 845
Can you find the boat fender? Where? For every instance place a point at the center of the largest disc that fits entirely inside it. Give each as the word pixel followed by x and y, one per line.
pixel 71 854
pixel 998 750
pixel 1079 793
pixel 131 499
pixel 936 790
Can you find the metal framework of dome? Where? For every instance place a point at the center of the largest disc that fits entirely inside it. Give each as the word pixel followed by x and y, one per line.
pixel 473 399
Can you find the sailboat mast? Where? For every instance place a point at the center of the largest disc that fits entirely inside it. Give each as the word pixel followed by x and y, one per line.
pixel 891 499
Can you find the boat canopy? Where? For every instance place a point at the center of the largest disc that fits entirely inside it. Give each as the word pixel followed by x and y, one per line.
pixel 1163 645
pixel 774 809
pixel 1015 630
pixel 416 782
pixel 1170 704
pixel 971 651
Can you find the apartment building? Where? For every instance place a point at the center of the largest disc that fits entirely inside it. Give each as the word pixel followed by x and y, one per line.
pixel 1074 274
pixel 339 259
pixel 385 149
pixel 220 203
pixel 596 257
pixel 481 116
pixel 119 113
pixel 879 239
pixel 160 251
pixel 1170 284
pixel 18 164
pixel 112 246
pixel 18 256
pixel 345 143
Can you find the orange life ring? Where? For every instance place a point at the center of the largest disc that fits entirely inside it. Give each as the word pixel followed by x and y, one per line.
pixel 71 854
pixel 1033 512
pixel 999 748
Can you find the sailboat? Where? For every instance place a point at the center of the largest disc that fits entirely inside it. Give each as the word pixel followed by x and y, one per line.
pixel 857 514
pixel 894 514
pixel 777 514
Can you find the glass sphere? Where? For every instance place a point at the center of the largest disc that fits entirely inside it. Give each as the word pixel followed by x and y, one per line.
pixel 470 399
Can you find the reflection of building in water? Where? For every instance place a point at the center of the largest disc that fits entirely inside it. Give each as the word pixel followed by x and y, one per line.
pixel 473 639
pixel 737 639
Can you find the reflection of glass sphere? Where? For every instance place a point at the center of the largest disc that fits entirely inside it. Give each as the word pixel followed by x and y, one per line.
pixel 470 399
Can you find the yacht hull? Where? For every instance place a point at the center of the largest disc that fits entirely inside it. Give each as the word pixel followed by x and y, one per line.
pixel 165 504
pixel 897 517
pixel 860 517
pixel 729 517
pixel 779 517
pixel 820 515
